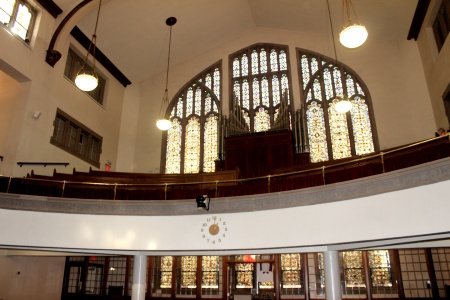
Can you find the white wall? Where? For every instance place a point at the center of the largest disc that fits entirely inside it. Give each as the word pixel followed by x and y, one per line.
pixel 391 70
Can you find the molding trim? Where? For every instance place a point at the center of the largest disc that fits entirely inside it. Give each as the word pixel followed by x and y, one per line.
pixel 81 38
pixel 419 17
pixel 51 7
pixel 425 174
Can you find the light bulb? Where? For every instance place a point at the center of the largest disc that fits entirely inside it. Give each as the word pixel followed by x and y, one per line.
pixel 353 36
pixel 163 124
pixel 86 82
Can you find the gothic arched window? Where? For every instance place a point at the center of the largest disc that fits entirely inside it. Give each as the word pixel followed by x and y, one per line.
pixel 330 134
pixel 191 144
pixel 260 79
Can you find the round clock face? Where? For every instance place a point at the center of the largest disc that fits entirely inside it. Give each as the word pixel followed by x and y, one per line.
pixel 214 230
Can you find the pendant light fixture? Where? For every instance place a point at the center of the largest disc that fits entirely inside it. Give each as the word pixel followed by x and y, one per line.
pixel 87 80
pixel 164 123
pixel 341 105
pixel 353 34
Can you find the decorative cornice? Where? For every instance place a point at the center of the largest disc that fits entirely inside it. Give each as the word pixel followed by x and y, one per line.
pixel 429 173
pixel 419 16
pixel 51 7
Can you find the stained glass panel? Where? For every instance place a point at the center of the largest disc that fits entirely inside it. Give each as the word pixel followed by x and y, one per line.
pixel 316 133
pixel 340 140
pixel 350 86
pixel 338 83
pixel 256 96
pixel 207 103
pixel 173 150
pixel 244 65
pixel 245 94
pixel 208 80
pixel 327 82
pixel 285 87
pixel 166 272
pixel 262 120
pixel 198 101
pixel 362 131
pixel 244 276
pixel 380 268
pixel 314 66
pixel 265 92
pixel 254 62
pixel 210 144
pixel 317 90
pixel 215 109
pixel 210 272
pixel 217 83
pixel 290 268
pixel 309 96
pixel 237 91
pixel 236 70
pixel 353 269
pixel 263 61
pixel 283 61
pixel 305 71
pixel 6 10
pixel 359 89
pixel 192 147
pixel 180 108
pixel 189 272
pixel 273 61
pixel 275 90
pixel 189 102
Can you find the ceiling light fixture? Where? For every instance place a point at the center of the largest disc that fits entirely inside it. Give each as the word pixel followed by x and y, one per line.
pixel 341 105
pixel 87 80
pixel 353 34
pixel 162 123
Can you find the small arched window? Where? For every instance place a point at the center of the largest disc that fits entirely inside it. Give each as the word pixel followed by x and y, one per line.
pixel 330 134
pixel 260 80
pixel 191 144
pixel 19 17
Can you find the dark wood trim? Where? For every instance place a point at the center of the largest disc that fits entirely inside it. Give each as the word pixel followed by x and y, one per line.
pixel 84 274
pixel 105 276
pixel 224 277
pixel 305 270
pixel 51 7
pixel 66 276
pixel 127 276
pixel 398 274
pixel 276 276
pixel 431 273
pixel 173 290
pixel 151 261
pixel 366 267
pixel 417 21
pixel 199 276
pixel 81 38
pixel 53 56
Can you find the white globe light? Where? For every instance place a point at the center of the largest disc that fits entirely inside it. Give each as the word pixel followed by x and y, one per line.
pixel 163 124
pixel 343 106
pixel 353 36
pixel 86 82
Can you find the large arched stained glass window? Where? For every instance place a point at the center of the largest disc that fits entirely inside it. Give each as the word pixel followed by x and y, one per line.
pixel 191 144
pixel 330 134
pixel 260 80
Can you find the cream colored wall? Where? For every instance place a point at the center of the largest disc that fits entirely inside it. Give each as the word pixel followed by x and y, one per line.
pixel 40 278
pixel 46 91
pixel 391 70
pixel 435 64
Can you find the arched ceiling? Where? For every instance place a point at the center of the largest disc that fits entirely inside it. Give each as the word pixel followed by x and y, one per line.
pixel 134 36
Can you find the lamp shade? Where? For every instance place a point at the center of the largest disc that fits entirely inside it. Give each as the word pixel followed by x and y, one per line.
pixel 353 36
pixel 343 106
pixel 163 124
pixel 86 82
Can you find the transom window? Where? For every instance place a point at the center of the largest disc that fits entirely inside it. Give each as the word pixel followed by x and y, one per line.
pixel 333 135
pixel 18 16
pixel 260 83
pixel 192 141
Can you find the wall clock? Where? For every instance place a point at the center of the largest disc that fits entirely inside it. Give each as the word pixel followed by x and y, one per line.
pixel 214 230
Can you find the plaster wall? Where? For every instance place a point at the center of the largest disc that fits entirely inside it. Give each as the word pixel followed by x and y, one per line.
pixel 435 64
pixel 47 90
pixel 391 70
pixel 28 277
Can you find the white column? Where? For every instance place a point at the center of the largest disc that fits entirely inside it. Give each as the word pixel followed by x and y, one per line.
pixel 139 272
pixel 332 276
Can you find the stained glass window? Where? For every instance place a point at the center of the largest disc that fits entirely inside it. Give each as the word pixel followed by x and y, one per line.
pixel 173 152
pixel 265 92
pixel 244 276
pixel 353 269
pixel 236 71
pixel 210 272
pixel 244 65
pixel 18 17
pixel 333 135
pixel 192 146
pixel 254 62
pixel 256 96
pixel 210 144
pixel 285 87
pixel 380 268
pixel 273 61
pixel 275 90
pixel 262 120
pixel 192 141
pixel 245 94
pixel 189 272
pixel 166 272
pixel 290 269
pixel 283 61
pixel 263 61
